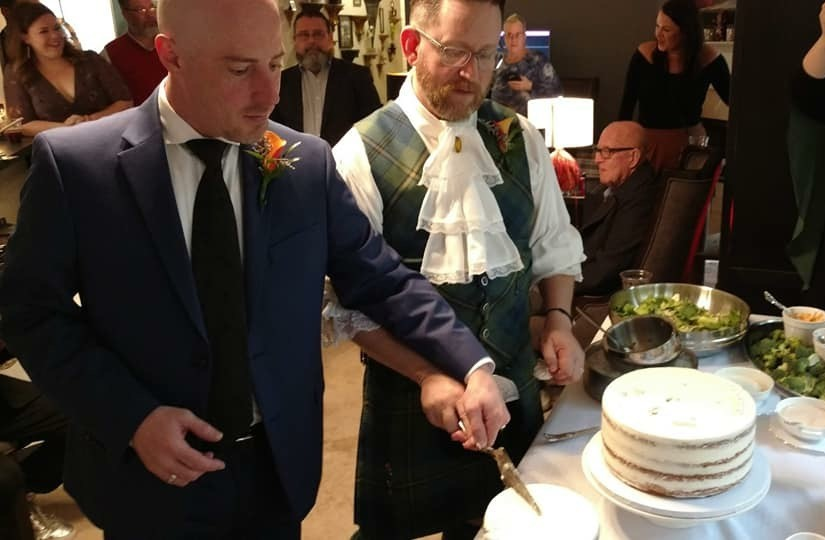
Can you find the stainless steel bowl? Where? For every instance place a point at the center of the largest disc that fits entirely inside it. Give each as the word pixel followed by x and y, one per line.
pixel 644 341
pixel 714 300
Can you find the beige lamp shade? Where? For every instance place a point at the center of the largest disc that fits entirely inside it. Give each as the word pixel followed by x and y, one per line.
pixel 572 123
pixel 540 112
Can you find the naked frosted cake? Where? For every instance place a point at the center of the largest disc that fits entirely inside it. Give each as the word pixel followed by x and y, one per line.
pixel 678 432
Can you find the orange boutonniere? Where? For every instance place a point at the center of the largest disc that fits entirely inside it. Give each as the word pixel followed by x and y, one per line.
pixel 272 160
pixel 501 131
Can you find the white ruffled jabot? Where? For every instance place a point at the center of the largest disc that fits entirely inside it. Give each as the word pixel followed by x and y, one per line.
pixel 467 232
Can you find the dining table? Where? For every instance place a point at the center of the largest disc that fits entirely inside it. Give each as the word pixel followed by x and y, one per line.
pixel 794 502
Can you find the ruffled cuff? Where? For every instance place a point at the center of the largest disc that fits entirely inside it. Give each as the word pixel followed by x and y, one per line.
pixel 339 323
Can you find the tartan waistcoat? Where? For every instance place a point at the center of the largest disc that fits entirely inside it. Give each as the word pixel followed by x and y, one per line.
pixel 496 310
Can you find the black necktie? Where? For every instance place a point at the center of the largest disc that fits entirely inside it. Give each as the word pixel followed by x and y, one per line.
pixel 218 271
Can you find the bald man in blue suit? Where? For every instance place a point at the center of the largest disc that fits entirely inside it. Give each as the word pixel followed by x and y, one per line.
pixel 107 213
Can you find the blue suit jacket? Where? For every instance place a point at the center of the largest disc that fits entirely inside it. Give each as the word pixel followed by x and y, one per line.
pixel 98 217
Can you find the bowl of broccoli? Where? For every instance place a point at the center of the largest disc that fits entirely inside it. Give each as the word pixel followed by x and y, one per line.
pixel 796 368
pixel 706 319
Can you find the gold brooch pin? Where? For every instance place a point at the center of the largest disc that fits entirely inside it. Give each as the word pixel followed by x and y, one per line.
pixel 457 145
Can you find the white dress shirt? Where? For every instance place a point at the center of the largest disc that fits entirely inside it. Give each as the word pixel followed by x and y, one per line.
pixel 313 92
pixel 186 169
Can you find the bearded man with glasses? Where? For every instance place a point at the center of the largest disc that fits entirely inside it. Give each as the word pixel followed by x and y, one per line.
pixel 322 95
pixel 133 54
pixel 615 223
pixel 465 191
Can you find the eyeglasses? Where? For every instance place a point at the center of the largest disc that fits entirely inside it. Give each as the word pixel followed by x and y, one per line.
pixel 315 34
pixel 458 57
pixel 606 152
pixel 143 11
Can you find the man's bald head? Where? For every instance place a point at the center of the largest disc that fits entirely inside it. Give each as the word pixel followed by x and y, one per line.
pixel 620 151
pixel 224 63
pixel 630 133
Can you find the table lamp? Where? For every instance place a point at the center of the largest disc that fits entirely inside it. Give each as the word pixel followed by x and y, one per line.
pixel 540 113
pixel 571 126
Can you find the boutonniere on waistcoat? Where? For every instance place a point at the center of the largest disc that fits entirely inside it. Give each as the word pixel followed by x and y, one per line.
pixel 273 158
pixel 501 131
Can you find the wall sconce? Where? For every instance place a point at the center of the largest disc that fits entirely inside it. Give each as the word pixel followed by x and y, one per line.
pixel 290 10
pixel 333 10
pixel 358 21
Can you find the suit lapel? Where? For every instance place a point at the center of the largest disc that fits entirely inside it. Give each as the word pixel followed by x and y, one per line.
pixel 295 88
pixel 146 170
pixel 333 87
pixel 600 213
pixel 256 232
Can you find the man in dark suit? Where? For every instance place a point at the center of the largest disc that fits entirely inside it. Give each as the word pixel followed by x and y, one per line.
pixel 616 222
pixel 190 364
pixel 323 95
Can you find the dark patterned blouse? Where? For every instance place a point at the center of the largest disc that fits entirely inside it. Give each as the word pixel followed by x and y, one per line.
pixel 97 85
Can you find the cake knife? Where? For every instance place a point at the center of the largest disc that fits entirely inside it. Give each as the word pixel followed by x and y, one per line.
pixel 509 475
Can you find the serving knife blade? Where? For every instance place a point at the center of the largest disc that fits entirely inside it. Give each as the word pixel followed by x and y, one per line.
pixel 510 476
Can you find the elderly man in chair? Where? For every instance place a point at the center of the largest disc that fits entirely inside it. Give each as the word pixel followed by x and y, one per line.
pixel 616 222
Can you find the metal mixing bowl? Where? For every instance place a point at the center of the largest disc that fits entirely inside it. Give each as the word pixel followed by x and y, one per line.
pixel 644 341
pixel 714 300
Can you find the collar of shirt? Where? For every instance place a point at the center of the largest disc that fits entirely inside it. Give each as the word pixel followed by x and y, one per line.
pixel 324 68
pixel 185 169
pixel 136 40
pixel 428 126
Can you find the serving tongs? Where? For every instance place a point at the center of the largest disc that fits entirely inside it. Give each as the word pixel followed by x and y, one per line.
pixel 510 476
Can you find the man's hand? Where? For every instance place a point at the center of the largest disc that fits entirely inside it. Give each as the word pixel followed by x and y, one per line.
pixel 160 443
pixel 562 353
pixel 482 411
pixel 521 85
pixel 439 395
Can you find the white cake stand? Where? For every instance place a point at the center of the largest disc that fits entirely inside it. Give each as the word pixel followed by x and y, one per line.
pixel 670 511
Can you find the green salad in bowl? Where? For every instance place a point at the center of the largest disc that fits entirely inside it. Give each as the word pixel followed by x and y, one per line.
pixel 683 314
pixel 795 367
pixel 706 319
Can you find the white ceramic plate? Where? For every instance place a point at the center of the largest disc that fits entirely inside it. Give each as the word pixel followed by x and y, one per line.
pixel 740 498
pixel 565 514
pixel 783 435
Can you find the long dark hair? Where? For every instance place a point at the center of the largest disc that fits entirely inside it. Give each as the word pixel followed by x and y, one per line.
pixel 23 15
pixel 686 16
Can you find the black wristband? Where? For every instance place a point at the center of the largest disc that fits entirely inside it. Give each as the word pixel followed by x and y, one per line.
pixel 547 311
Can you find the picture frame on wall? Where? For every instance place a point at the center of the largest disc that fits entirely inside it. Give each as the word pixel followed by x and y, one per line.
pixel 345 32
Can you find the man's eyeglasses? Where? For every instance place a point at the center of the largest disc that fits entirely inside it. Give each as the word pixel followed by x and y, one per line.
pixel 143 11
pixel 315 34
pixel 607 152
pixel 458 57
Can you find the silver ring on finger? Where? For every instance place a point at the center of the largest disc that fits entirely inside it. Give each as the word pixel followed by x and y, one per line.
pixel 172 478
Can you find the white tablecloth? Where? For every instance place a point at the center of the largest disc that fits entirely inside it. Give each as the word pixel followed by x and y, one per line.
pixel 795 502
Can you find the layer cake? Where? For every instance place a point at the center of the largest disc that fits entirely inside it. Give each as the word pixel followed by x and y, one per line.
pixel 677 432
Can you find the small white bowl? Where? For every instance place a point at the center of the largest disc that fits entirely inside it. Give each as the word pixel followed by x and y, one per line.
pixel 818 337
pixel 755 382
pixel 802 328
pixel 802 417
pixel 805 536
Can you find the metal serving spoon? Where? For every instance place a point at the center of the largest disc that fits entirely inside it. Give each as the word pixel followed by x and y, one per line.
pixel 610 338
pixel 770 298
